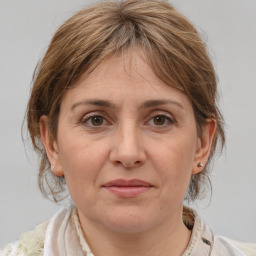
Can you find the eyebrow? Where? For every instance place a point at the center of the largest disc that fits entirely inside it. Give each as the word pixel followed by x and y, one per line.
pixel 95 102
pixel 155 103
pixel 106 103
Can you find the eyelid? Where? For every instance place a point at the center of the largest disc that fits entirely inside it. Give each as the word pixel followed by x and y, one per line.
pixel 85 118
pixel 159 112
pixel 168 116
pixel 106 117
pixel 165 116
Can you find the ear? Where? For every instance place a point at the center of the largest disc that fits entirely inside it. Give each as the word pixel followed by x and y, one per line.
pixel 50 147
pixel 204 144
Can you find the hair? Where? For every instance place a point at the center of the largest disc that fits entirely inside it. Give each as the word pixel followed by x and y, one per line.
pixel 173 49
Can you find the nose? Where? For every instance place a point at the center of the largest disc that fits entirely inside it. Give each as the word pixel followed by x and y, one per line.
pixel 128 147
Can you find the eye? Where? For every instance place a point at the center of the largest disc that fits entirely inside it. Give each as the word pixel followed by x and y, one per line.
pixel 97 120
pixel 94 121
pixel 160 120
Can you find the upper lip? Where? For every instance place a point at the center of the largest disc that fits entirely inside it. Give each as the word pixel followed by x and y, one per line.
pixel 127 183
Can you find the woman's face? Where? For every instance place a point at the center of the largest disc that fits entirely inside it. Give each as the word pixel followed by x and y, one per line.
pixel 127 145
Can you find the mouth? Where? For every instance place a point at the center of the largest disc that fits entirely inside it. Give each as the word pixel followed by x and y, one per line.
pixel 127 188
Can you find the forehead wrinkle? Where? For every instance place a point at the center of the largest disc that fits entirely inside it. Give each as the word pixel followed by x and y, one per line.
pixel 94 102
pixel 158 102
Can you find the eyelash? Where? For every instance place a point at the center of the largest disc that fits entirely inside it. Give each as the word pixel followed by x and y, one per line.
pixel 88 118
pixel 85 120
pixel 167 120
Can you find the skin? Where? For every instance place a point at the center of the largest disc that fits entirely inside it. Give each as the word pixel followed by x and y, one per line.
pixel 131 138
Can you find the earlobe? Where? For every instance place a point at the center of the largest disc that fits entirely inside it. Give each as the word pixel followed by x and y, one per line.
pixel 55 170
pixel 50 147
pixel 204 146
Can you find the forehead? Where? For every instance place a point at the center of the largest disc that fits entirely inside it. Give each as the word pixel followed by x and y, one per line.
pixel 121 78
pixel 127 66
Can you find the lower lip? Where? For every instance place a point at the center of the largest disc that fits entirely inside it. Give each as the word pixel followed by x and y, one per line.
pixel 128 192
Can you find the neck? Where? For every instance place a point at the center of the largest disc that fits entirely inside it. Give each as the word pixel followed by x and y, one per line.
pixel 169 238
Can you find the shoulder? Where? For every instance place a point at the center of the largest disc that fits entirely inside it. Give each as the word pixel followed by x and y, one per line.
pixel 246 249
pixel 36 241
pixel 29 243
pixel 205 242
pixel 225 246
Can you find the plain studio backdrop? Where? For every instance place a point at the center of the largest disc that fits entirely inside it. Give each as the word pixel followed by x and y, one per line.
pixel 228 27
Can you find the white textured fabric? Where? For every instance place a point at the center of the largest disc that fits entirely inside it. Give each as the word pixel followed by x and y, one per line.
pixel 30 243
pixel 204 243
pixel 63 236
pixel 248 248
pixel 85 247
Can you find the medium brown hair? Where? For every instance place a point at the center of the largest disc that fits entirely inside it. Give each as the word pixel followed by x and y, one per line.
pixel 172 46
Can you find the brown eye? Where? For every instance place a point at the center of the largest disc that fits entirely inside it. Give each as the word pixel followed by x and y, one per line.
pixel 159 120
pixel 97 120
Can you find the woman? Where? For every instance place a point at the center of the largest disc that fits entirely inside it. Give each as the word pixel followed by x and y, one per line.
pixel 123 113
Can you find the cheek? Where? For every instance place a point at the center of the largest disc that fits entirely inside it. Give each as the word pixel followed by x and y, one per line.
pixel 81 162
pixel 174 162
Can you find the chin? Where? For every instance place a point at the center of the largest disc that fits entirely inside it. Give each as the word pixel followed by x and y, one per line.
pixel 129 221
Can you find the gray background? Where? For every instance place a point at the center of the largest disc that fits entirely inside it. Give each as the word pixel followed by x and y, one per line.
pixel 228 26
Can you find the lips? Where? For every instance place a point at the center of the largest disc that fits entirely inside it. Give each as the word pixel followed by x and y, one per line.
pixel 127 188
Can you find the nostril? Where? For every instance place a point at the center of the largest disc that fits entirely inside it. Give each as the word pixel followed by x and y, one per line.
pixel 128 164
